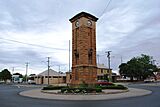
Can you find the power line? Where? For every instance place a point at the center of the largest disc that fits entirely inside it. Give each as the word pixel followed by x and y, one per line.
pixel 36 45
pixel 105 8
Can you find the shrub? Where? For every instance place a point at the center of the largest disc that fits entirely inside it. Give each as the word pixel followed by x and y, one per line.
pixel 98 90
pixel 50 87
pixel 114 87
pixel 80 90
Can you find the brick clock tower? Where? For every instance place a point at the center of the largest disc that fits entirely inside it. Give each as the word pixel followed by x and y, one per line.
pixel 84 66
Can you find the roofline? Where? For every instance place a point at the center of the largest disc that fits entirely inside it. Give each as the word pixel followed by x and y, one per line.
pixel 83 14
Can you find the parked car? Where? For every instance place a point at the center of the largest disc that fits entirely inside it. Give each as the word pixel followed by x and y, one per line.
pixel 103 82
pixel 31 82
pixel 149 80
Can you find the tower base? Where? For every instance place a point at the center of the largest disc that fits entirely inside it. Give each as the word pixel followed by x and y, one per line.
pixel 84 75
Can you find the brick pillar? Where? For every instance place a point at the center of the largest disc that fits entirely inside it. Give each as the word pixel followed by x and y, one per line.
pixel 84 67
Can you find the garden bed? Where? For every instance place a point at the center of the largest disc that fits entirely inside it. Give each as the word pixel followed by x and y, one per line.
pixel 84 89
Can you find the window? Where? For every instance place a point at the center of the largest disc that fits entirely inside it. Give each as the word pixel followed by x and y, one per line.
pixel 102 71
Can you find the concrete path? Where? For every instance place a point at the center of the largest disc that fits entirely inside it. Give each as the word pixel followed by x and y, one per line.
pixel 133 92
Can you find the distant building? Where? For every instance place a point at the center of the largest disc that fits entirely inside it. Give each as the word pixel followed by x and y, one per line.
pixel 103 72
pixel 158 75
pixel 65 78
pixel 54 77
pixel 17 79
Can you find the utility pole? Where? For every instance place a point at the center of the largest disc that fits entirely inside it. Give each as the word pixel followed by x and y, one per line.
pixel 12 74
pixel 48 67
pixel 59 68
pixel 12 70
pixel 69 55
pixel 69 63
pixel 59 72
pixel 98 58
pixel 121 59
pixel 26 70
pixel 109 60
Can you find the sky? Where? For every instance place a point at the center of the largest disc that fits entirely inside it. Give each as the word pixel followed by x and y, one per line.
pixel 32 30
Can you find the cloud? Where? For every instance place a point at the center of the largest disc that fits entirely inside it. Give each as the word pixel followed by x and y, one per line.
pixel 128 28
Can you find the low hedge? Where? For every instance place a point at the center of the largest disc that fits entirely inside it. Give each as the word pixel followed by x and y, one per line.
pixel 114 87
pixel 81 90
pixel 50 87
pixel 66 89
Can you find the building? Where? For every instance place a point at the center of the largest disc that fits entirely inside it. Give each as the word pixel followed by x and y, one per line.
pixel 158 74
pixel 84 66
pixel 54 77
pixel 65 78
pixel 103 72
pixel 17 79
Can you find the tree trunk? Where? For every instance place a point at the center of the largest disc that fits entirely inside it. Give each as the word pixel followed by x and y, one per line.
pixel 131 78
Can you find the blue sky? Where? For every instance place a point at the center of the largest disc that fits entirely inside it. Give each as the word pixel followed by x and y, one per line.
pixel 127 28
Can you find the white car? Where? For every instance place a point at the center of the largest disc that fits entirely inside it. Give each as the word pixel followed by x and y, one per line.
pixel 149 80
pixel 31 82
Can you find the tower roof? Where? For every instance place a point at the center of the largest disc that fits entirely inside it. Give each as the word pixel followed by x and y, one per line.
pixel 83 14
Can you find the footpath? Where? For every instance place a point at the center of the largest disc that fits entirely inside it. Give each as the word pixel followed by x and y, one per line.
pixel 107 95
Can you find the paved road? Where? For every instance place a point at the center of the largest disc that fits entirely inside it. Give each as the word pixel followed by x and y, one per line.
pixel 9 98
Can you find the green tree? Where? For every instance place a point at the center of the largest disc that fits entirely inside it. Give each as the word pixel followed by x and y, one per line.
pixel 20 75
pixel 138 67
pixel 123 69
pixel 147 67
pixel 5 75
pixel 0 76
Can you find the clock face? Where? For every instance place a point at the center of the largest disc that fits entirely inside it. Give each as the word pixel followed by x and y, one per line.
pixel 89 23
pixel 77 23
